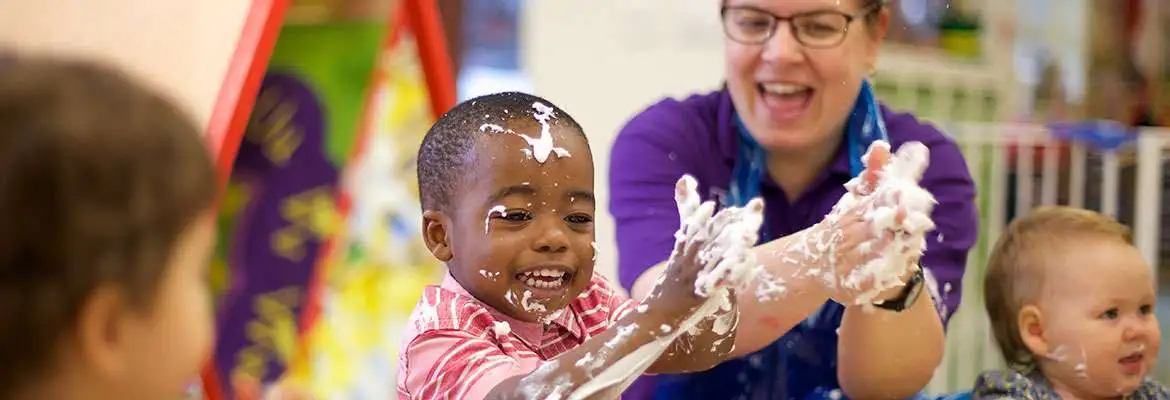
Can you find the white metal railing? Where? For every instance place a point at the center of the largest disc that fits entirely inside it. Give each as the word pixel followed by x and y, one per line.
pixel 1018 167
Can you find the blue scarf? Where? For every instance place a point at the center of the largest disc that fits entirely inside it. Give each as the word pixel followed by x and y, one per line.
pixel 865 125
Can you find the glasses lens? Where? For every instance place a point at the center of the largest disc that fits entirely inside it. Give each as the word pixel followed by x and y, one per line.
pixel 821 29
pixel 747 25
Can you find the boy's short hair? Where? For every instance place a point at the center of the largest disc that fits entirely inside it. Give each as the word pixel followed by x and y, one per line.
pixel 446 150
pixel 1016 271
pixel 99 177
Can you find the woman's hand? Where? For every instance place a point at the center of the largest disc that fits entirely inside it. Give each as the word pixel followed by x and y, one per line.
pixel 871 241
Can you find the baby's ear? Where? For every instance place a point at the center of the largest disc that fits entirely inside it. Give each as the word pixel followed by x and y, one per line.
pixel 434 232
pixel 1031 323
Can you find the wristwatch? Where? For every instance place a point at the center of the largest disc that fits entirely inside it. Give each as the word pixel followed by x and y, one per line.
pixel 909 294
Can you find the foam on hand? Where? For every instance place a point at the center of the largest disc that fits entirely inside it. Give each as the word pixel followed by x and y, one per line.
pixel 897 193
pixel 728 259
pixel 729 264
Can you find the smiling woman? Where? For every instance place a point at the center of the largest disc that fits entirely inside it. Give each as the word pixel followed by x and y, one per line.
pixel 790 126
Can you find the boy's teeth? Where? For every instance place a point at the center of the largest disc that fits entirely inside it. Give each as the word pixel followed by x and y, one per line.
pixel 784 88
pixel 544 273
pixel 543 278
pixel 533 282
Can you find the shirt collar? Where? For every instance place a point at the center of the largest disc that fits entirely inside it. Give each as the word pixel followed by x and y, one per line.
pixel 531 333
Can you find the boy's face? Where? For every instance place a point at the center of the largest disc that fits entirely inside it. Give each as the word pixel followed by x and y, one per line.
pixel 1098 319
pixel 521 232
pixel 162 350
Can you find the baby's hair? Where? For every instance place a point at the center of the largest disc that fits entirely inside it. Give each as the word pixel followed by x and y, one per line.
pixel 99 177
pixel 446 150
pixel 1016 271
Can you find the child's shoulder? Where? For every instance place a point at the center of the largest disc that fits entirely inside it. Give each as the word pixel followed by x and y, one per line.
pixel 1009 384
pixel 1151 389
pixel 440 308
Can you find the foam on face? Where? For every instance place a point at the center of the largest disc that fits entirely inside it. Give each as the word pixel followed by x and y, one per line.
pixel 489 275
pixel 529 305
pixel 487 221
pixel 543 145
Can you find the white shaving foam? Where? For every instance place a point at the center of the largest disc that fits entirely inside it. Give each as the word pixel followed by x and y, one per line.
pixel 489 274
pixel 493 128
pixel 728 264
pixel 543 145
pixel 898 187
pixel 487 221
pixel 529 305
pixel 501 328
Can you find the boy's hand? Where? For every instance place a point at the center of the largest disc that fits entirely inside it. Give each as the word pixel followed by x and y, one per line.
pixel 711 252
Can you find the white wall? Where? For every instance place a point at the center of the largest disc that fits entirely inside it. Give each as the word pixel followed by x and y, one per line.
pixel 183 47
pixel 605 60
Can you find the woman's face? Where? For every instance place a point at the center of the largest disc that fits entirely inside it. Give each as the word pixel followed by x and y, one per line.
pixel 790 96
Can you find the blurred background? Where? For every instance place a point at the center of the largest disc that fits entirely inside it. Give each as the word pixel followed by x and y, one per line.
pixel 1052 101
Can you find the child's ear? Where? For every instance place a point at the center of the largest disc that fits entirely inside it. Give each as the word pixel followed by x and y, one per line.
pixel 434 232
pixel 100 331
pixel 1031 323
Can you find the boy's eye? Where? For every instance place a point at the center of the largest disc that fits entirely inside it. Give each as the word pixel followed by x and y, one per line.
pixel 579 219
pixel 515 215
pixel 1146 309
pixel 1109 314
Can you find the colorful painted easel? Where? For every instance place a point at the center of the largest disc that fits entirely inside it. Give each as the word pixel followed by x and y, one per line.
pixel 284 132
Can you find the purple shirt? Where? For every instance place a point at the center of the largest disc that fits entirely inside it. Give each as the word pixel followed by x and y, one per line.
pixel 698 136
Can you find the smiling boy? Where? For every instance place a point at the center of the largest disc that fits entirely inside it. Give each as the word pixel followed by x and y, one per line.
pixel 506 182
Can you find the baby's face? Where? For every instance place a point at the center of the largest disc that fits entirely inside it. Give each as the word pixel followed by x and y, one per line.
pixel 1099 319
pixel 523 240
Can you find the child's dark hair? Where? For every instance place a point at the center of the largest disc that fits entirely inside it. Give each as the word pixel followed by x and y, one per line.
pixel 446 150
pixel 99 177
pixel 1017 269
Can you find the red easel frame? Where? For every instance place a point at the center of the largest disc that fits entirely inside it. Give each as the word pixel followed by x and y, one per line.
pixel 241 85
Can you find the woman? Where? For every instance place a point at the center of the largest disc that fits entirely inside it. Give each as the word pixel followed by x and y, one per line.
pixel 790 125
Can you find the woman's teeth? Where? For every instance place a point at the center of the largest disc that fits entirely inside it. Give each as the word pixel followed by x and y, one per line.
pixel 784 89
pixel 543 278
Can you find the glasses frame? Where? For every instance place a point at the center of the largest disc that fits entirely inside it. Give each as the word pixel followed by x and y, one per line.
pixel 776 20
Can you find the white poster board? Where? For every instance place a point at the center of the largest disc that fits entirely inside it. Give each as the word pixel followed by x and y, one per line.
pixel 182 47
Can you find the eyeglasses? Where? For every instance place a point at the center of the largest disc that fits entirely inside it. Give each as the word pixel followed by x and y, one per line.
pixel 814 29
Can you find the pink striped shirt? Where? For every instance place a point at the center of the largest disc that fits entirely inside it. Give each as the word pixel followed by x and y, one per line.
pixel 456 347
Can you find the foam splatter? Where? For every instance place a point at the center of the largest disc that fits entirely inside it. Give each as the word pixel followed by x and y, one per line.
pixel 490 275
pixel 542 146
pixel 501 329
pixel 487 220
pixel 529 305
pixel 898 190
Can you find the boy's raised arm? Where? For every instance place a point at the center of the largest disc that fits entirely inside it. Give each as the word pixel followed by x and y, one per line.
pixel 711 256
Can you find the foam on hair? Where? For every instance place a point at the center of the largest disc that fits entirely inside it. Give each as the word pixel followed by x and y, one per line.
pixel 446 150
